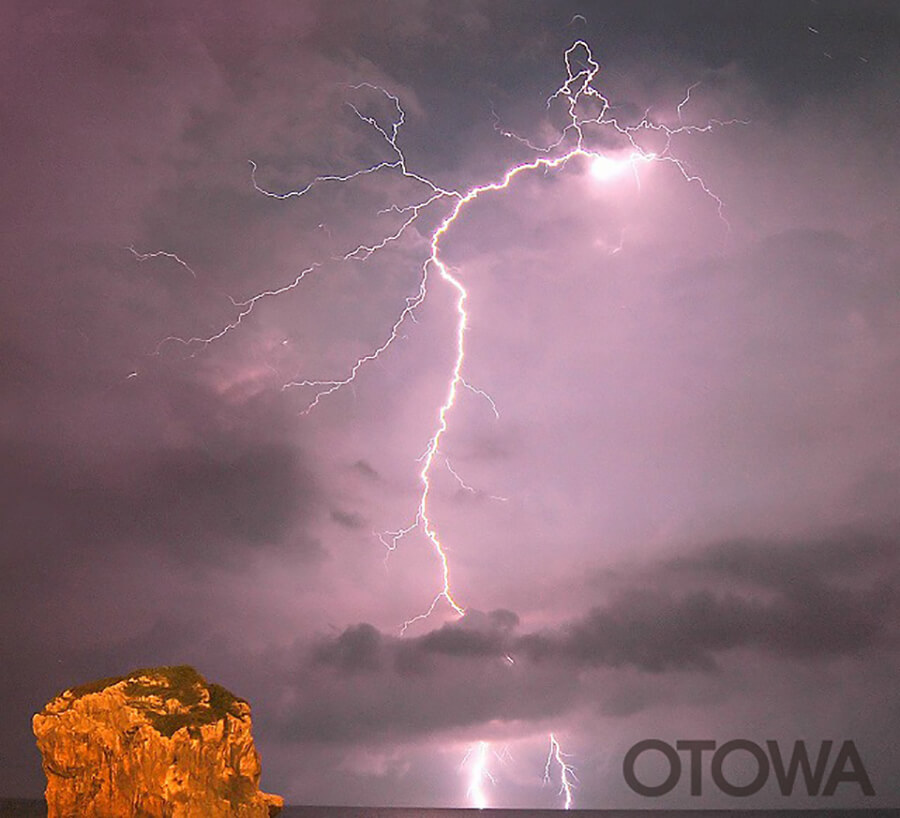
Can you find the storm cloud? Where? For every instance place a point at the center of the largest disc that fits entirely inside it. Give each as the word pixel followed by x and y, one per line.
pixel 808 602
pixel 676 514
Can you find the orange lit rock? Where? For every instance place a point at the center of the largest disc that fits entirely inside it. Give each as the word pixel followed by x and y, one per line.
pixel 157 743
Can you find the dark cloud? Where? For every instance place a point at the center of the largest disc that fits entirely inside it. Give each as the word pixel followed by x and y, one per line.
pixel 357 649
pixel 192 503
pixel 790 567
pixel 365 469
pixel 795 602
pixel 814 601
pixel 452 641
pixel 770 41
pixel 655 631
pixel 348 519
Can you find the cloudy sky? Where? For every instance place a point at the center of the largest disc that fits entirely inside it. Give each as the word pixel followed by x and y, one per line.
pixel 683 523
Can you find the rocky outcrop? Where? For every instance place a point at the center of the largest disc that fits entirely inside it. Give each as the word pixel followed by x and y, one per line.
pixel 157 742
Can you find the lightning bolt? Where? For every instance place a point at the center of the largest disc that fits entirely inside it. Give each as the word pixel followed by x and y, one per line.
pixel 466 487
pixel 567 776
pixel 587 111
pixel 476 759
pixel 160 254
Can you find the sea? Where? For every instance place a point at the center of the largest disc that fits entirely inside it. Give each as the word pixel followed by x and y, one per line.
pixel 18 808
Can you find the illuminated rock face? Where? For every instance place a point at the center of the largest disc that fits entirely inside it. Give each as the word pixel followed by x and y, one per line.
pixel 157 742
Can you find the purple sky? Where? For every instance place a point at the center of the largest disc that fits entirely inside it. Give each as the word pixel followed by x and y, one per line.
pixel 697 448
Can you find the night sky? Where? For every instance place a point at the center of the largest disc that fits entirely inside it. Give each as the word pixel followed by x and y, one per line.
pixel 684 522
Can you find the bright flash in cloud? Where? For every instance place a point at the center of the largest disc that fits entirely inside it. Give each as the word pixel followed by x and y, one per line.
pixel 604 168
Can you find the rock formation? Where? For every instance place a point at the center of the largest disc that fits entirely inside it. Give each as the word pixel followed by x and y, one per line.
pixel 157 742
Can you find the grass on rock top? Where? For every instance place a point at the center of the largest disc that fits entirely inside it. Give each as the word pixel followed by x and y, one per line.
pixel 179 682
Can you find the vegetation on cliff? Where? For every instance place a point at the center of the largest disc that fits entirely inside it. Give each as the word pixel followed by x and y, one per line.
pixel 203 702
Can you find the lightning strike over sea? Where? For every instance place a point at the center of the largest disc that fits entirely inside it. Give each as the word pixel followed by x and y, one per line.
pixel 585 109
pixel 586 112
pixel 476 760
pixel 566 771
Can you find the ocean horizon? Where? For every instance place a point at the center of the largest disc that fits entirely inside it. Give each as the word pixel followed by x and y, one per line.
pixel 32 808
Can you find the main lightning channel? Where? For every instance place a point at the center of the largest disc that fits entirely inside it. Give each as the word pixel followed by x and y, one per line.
pixel 423 519
pixel 576 89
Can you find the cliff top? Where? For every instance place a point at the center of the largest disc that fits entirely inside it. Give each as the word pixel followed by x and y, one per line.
pixel 172 697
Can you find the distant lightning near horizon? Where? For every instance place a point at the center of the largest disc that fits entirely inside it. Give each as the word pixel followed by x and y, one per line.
pixel 567 776
pixel 586 112
pixel 476 759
